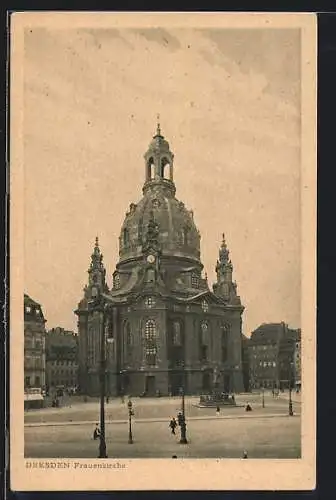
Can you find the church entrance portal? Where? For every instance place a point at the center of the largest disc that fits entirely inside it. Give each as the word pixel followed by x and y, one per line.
pixel 150 389
pixel 175 383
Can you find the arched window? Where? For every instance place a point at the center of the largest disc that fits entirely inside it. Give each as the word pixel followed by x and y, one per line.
pixel 165 167
pixel 150 342
pixel 150 169
pixel 177 340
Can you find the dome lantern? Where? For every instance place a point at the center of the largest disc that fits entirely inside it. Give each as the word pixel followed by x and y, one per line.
pixel 159 163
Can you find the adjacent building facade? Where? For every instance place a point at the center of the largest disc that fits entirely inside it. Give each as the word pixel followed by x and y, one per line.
pixel 34 345
pixel 165 328
pixel 271 354
pixel 61 359
pixel 297 361
pixel 246 363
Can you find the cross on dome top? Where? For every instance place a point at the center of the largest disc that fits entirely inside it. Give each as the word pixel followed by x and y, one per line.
pixel 158 128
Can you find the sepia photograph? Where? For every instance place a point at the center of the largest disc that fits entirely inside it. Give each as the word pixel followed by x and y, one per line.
pixel 163 199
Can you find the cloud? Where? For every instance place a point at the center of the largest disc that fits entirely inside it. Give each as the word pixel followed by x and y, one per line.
pixel 91 99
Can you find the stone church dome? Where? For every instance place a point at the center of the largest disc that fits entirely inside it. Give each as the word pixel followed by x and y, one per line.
pixel 178 235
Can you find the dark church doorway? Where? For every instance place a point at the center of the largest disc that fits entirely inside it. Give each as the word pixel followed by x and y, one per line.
pixel 175 383
pixel 150 388
pixel 227 384
pixel 206 382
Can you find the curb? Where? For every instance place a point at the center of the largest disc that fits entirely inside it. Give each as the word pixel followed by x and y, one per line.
pixel 149 420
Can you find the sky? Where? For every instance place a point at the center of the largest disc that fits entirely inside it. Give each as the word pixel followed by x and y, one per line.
pixel 229 105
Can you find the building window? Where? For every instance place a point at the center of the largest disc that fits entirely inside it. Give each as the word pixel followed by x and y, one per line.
pixel 194 280
pixel 149 302
pixel 28 309
pixel 150 342
pixel 37 381
pixel 205 306
pixel 125 237
pixel 150 169
pixel 184 236
pixel 27 381
pixel 37 312
pixel 116 281
pixel 177 333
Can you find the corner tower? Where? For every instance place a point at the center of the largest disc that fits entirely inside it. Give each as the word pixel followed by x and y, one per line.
pixel 225 287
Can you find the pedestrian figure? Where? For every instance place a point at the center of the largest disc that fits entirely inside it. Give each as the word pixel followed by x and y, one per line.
pixel 173 425
pixel 179 418
pixel 96 432
pixel 245 454
pixel 248 407
pixel 107 399
pixel 217 411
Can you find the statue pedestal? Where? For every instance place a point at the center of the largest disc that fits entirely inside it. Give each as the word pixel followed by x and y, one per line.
pixel 217 399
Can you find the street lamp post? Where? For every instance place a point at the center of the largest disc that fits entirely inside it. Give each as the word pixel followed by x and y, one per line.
pixel 102 442
pixel 263 396
pixel 97 303
pixel 183 424
pixel 130 414
pixel 290 403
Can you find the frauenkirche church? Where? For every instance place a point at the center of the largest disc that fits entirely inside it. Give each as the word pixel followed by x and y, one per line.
pixel 165 327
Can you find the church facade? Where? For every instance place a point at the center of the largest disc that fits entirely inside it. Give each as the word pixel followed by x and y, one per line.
pixel 164 328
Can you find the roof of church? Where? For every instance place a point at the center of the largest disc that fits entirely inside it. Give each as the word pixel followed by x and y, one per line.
pixel 159 246
pixel 28 301
pixel 178 234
